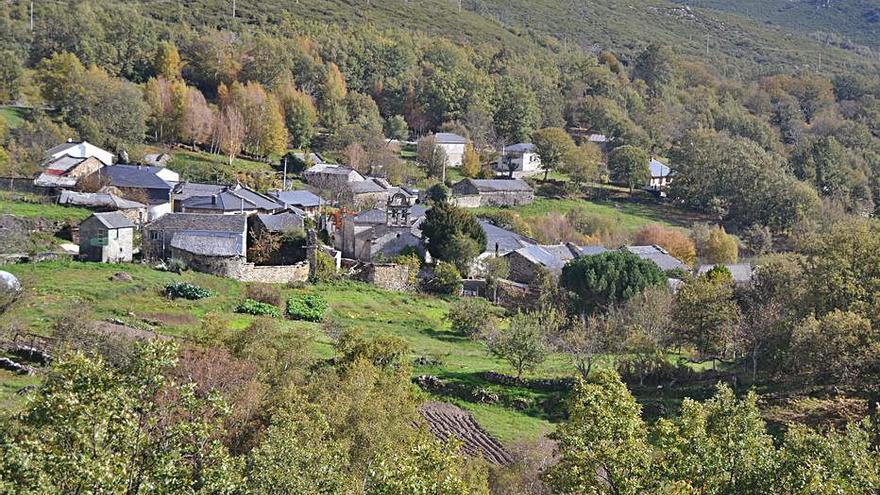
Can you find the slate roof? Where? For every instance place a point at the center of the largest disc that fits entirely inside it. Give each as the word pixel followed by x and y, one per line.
pixel 540 255
pixel 114 220
pixel 207 245
pixel 658 168
pixel 314 157
pixel 281 222
pixel 97 200
pixel 184 190
pixel 500 185
pixel 365 187
pixel 506 240
pixel 135 176
pixel 306 199
pixel 741 272
pixel 449 138
pixel 232 199
pixel 62 164
pixel 329 168
pixel 592 250
pixel 520 148
pixel 206 222
pixel 375 215
pixel 658 255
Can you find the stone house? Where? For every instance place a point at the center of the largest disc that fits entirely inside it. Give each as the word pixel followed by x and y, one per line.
pixel 106 237
pixel 66 171
pixel 135 179
pixel 475 193
pixel 195 233
pixel 80 149
pixel 453 145
pixel 229 200
pixel 519 160
pixel 331 176
pixel 525 261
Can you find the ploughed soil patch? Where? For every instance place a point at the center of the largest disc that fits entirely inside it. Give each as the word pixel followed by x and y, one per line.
pixel 446 420
pixel 126 332
pixel 170 319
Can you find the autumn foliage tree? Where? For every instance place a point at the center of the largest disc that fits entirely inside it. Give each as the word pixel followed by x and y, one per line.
pixel 674 241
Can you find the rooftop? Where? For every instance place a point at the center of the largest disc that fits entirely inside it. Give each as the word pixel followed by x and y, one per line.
pixel 135 176
pixel 306 199
pixel 505 240
pixel 281 222
pixel 658 255
pixel 94 200
pixel 207 245
pixel 500 185
pixel 114 220
pixel 449 138
pixel 658 168
pixel 520 148
pixel 206 222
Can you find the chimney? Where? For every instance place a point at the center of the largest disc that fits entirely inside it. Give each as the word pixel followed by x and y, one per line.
pixel 213 199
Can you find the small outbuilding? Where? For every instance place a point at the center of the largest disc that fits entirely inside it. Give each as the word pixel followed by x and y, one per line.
pixel 107 238
pixel 475 193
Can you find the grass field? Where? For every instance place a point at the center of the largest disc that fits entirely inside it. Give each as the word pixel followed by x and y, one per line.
pixel 11 204
pixel 629 215
pixel 53 288
pixel 13 116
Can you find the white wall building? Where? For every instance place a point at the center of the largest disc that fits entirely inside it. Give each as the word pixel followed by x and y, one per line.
pixel 453 145
pixel 81 149
pixel 521 159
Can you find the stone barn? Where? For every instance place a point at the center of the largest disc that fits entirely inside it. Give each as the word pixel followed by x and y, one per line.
pixel 107 238
pixel 475 193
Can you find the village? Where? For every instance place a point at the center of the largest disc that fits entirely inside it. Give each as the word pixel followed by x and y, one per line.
pixel 144 212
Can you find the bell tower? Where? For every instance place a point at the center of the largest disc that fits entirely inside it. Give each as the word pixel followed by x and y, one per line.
pixel 397 210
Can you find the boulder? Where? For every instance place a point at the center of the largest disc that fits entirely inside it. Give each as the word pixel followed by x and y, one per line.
pixel 121 277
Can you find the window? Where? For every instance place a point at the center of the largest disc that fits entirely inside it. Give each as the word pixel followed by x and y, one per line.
pixel 154 235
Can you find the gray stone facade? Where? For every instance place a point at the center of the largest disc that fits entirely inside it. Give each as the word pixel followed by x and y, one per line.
pixel 387 276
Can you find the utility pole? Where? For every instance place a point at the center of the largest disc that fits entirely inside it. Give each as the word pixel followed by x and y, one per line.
pixel 284 178
pixel 32 16
pixel 233 9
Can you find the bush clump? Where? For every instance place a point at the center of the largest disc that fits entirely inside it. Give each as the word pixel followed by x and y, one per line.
pixel 447 279
pixel 257 308
pixel 185 290
pixel 306 307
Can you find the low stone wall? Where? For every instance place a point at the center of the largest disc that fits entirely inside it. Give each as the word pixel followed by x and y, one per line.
pixel 273 274
pixel 21 185
pixel 387 276
pixel 472 201
pixel 239 269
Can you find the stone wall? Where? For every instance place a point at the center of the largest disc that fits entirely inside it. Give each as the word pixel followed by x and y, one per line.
pixel 387 276
pixel 239 269
pixel 470 201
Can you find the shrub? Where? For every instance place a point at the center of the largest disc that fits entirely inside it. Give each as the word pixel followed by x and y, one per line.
pixel 175 265
pixel 677 243
pixel 306 307
pixel 326 267
pixel 447 279
pixel 265 293
pixel 256 308
pixel 184 290
pixel 470 316
pixel 414 263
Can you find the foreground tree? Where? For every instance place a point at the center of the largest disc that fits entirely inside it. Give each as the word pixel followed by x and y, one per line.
pixel 596 282
pixel 454 235
pixel 554 146
pixel 524 344
pixel 603 447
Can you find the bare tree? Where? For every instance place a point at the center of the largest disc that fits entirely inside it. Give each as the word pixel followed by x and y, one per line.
pixel 231 132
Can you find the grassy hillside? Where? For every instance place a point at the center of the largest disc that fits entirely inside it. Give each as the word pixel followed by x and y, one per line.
pixel 53 288
pixel 857 21
pixel 742 38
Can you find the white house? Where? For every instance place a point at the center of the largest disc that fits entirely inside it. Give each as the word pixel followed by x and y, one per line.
pixel 519 160
pixel 661 175
pixel 453 145
pixel 81 149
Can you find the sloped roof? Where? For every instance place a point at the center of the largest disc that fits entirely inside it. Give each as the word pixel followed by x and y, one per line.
pixel 206 222
pixel 500 185
pixel 592 250
pixel 261 201
pixel 82 149
pixel 183 190
pixel 539 255
pixel 306 199
pixel 506 240
pixel 658 255
pixel 741 272
pixel 449 138
pixel 207 245
pixel 134 176
pixel 97 200
pixel 520 148
pixel 114 220
pixel 281 222
pixel 658 168
pixel 365 187
pixel 374 215
pixel 50 180
pixel 63 163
